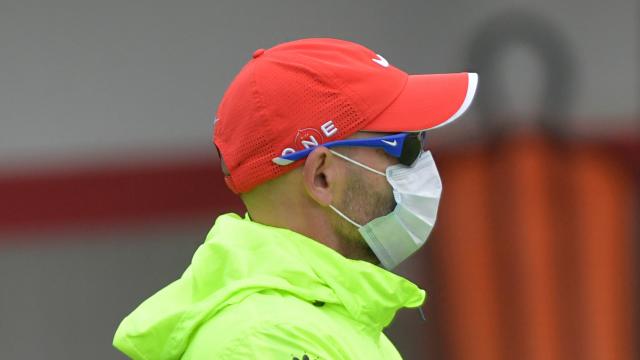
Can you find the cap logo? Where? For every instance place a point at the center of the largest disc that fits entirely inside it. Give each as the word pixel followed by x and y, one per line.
pixel 310 137
pixel 381 61
pixel 307 138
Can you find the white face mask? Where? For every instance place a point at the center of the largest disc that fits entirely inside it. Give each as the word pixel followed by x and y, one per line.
pixel 397 235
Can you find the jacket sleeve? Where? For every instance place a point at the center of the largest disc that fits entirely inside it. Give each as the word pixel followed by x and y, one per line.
pixel 287 341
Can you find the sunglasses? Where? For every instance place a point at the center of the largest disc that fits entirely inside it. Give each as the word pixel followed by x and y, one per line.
pixel 406 147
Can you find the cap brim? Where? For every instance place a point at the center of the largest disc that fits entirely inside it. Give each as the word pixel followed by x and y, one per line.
pixel 427 102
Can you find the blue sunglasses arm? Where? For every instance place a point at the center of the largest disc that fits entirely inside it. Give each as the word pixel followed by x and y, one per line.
pixel 390 144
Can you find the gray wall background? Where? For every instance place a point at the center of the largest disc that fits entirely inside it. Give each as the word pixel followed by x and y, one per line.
pixel 82 82
pixel 92 75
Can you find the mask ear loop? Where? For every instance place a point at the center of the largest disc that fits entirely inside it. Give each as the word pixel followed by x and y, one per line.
pixel 345 217
pixel 357 163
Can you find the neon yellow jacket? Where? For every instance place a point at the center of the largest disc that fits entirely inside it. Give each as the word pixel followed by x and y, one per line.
pixel 259 292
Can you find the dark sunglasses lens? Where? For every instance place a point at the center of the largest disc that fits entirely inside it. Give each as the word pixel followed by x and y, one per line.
pixel 411 149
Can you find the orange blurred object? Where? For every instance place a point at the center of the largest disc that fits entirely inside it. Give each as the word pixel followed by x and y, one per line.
pixel 536 240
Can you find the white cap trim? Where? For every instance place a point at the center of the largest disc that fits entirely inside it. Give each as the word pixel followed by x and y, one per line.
pixel 471 91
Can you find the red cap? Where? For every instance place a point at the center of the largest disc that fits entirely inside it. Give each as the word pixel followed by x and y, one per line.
pixel 307 92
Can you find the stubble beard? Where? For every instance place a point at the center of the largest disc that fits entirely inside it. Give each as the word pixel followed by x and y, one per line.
pixel 361 204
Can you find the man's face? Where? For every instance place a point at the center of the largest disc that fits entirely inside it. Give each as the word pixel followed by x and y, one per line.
pixel 363 195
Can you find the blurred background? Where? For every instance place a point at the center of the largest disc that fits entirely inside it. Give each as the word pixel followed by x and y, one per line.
pixel 109 180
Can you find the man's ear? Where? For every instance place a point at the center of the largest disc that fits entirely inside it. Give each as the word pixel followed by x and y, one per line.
pixel 318 176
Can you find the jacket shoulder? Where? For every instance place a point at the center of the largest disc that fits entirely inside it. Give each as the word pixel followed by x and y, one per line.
pixel 269 325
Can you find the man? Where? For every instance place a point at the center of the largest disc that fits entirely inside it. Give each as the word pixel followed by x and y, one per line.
pixel 323 139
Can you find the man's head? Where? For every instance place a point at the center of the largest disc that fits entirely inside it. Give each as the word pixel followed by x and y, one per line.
pixel 300 200
pixel 292 131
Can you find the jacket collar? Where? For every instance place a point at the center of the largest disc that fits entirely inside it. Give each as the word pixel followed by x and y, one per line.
pixel 369 293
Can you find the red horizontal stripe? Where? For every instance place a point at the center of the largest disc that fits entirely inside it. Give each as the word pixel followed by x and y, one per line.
pixel 113 195
pixel 47 198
